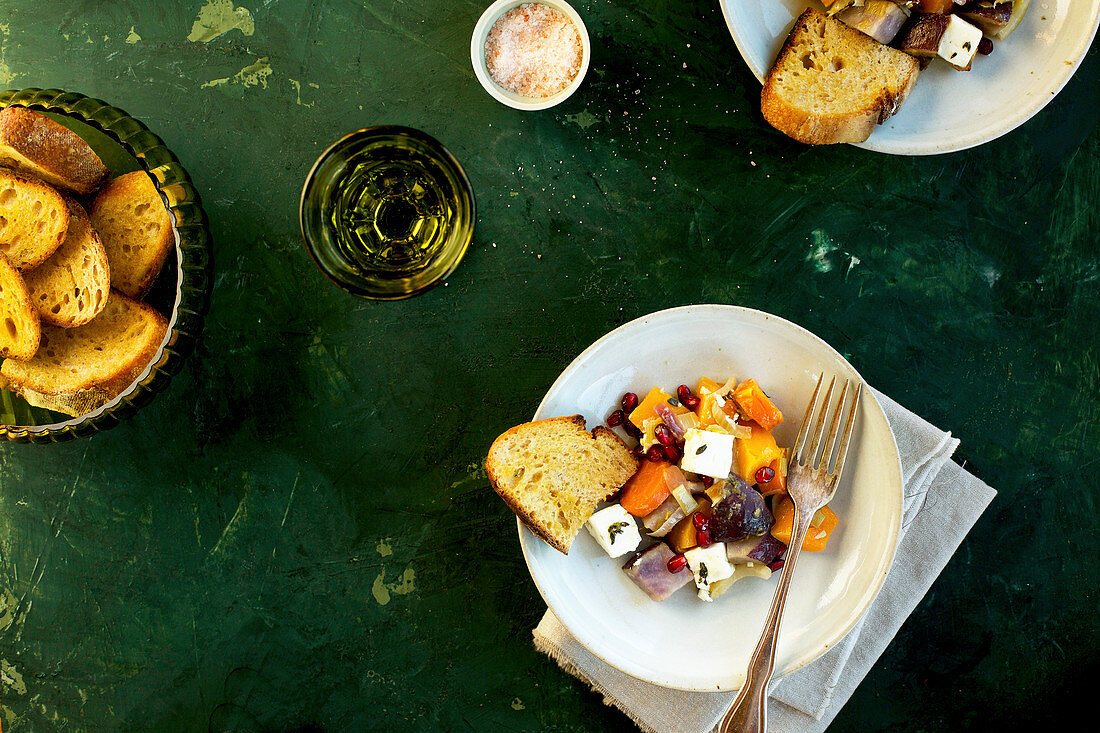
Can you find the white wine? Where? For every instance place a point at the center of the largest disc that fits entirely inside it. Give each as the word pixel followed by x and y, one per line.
pixel 387 212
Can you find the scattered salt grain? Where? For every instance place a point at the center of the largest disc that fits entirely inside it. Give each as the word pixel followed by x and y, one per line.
pixel 533 50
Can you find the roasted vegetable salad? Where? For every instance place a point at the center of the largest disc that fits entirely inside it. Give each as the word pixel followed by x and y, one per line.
pixel 954 30
pixel 710 492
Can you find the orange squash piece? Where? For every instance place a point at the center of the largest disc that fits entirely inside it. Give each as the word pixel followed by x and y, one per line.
pixel 816 537
pixel 646 489
pixel 778 484
pixel 644 410
pixel 753 453
pixel 756 406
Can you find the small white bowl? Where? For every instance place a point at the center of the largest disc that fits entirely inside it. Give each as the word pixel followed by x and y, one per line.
pixel 481 70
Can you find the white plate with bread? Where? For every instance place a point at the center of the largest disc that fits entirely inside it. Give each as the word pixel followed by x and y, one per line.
pixel 949 110
pixel 92 265
pixel 680 642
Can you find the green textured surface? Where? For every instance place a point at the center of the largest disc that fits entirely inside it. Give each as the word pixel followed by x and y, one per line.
pixel 297 533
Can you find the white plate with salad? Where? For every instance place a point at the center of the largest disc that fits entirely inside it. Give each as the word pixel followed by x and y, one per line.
pixel 950 110
pixel 683 642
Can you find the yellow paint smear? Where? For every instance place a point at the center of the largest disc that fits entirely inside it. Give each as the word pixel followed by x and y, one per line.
pixel 381 590
pixel 6 77
pixel 217 18
pixel 133 37
pixel 250 76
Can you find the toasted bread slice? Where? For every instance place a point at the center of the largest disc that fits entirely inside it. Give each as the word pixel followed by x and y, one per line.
pixel 70 288
pixel 20 330
pixel 553 473
pixel 136 231
pixel 33 220
pixel 79 369
pixel 833 84
pixel 36 145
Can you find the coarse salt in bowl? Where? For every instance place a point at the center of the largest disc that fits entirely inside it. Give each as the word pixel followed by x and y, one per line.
pixel 506 96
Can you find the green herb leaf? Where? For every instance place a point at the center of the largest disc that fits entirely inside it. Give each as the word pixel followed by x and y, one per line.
pixel 700 449
pixel 615 530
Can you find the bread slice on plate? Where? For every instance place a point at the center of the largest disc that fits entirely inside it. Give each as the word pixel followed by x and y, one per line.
pixel 20 329
pixel 136 231
pixel 79 369
pixel 70 288
pixel 33 220
pixel 833 84
pixel 553 473
pixel 36 145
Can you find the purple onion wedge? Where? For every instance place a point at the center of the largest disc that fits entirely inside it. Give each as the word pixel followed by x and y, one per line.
pixel 741 513
pixel 649 571
pixel 763 549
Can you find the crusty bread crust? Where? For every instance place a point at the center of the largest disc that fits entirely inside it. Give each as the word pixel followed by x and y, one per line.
pixel 20 329
pixel 33 220
pixel 136 231
pixel 71 287
pixel 44 378
pixel 566 444
pixel 36 145
pixel 815 45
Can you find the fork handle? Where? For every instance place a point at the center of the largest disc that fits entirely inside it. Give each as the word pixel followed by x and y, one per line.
pixel 749 712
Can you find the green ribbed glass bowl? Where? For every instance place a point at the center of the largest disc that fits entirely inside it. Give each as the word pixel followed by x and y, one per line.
pixel 181 291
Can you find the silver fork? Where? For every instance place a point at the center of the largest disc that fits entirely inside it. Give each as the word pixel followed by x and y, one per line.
pixel 811 485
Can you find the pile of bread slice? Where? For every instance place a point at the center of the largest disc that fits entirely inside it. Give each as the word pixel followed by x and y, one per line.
pixel 77 254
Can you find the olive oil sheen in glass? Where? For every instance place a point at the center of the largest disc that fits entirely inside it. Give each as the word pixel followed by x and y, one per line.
pixel 387 212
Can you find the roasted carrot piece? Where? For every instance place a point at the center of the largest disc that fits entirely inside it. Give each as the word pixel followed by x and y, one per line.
pixel 755 405
pixel 816 537
pixel 646 489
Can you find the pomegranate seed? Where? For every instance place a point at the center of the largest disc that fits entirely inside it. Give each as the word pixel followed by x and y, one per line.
pixel 630 401
pixel 616 418
pixel 663 435
pixel 701 522
pixel 985 47
pixel 672 453
pixel 775 565
pixel 765 474
pixel 691 402
pixel 676 563
pixel 707 482
pixel 632 430
pixel 683 392
pixel 655 453
pixel 638 452
pixel 703 538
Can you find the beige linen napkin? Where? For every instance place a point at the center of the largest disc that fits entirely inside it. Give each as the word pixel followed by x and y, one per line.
pixel 941 503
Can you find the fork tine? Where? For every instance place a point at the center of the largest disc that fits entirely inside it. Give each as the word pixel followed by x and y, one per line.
pixel 848 427
pixel 834 424
pixel 799 442
pixel 819 425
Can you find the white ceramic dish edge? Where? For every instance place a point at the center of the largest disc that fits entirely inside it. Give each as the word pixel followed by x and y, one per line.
pixel 1003 121
pixel 591 640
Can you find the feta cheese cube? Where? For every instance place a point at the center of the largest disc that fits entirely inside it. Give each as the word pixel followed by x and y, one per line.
pixel 615 530
pixel 708 564
pixel 708 453
pixel 959 42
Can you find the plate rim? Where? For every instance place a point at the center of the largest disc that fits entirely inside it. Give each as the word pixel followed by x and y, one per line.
pixel 1021 114
pixel 526 537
